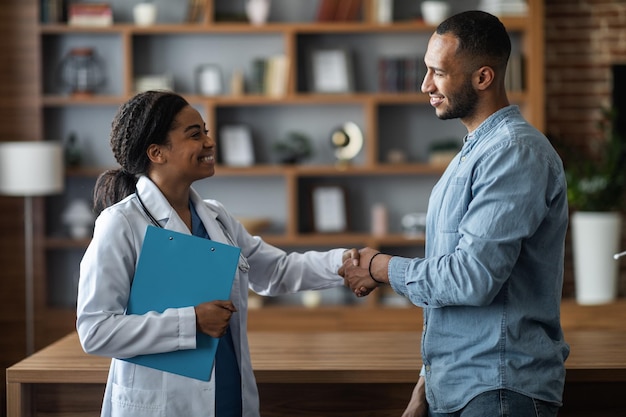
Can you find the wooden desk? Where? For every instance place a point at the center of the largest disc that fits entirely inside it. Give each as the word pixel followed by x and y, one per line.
pixel 316 374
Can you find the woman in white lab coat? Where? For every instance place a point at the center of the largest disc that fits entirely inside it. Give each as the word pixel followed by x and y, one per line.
pixel 162 146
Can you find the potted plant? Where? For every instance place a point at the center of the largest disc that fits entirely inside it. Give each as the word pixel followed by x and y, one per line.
pixel 596 181
pixel 441 152
pixel 295 148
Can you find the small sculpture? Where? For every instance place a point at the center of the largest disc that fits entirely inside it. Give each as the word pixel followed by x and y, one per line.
pixel 347 141
pixel 79 219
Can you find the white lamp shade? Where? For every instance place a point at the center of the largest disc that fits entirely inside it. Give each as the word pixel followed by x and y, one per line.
pixel 31 168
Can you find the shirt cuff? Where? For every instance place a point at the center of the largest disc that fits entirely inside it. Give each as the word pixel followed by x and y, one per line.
pixel 187 328
pixel 397 274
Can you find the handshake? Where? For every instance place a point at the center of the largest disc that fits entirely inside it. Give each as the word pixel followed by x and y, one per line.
pixel 364 269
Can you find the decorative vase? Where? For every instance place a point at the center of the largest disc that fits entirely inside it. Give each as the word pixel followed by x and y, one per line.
pixel 434 11
pixel 145 14
pixel 82 71
pixel 257 11
pixel 595 237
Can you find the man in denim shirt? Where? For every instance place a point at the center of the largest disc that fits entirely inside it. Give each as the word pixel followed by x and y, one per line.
pixel 490 284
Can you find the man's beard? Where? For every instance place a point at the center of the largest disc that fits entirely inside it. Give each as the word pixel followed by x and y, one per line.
pixel 462 103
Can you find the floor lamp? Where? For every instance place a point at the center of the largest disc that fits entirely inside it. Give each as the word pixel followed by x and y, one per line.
pixel 30 169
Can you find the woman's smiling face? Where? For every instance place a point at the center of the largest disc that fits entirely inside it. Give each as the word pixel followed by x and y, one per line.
pixel 190 152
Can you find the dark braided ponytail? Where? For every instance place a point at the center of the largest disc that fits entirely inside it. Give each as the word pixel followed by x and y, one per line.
pixel 144 120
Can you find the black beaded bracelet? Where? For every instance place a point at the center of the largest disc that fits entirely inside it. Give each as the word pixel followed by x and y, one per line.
pixel 370 268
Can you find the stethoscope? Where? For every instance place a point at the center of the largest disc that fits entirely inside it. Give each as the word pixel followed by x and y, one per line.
pixel 243 266
pixel 147 212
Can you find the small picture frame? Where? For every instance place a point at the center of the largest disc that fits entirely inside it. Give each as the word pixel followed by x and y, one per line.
pixel 331 71
pixel 329 209
pixel 236 145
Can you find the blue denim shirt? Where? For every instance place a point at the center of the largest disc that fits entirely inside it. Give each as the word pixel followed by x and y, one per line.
pixel 491 282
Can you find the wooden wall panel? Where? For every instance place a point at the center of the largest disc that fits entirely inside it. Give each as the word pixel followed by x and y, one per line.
pixel 19 120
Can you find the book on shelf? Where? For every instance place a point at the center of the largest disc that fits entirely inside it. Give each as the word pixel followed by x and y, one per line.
pixel 403 74
pixel 256 84
pixel 339 10
pixel 90 14
pixel 195 10
pixel 381 11
pixel 514 76
pixel 348 10
pixel 269 76
pixel 53 11
pixel 326 10
pixel 276 76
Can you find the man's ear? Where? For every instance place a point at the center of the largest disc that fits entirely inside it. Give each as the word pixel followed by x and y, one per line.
pixel 483 78
pixel 155 154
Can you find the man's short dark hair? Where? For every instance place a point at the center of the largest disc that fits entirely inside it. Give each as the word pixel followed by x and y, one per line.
pixel 483 39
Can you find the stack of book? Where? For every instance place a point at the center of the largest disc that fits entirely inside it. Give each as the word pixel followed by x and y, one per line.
pixel 90 14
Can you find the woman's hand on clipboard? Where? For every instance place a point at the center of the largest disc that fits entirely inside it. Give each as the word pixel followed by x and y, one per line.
pixel 212 317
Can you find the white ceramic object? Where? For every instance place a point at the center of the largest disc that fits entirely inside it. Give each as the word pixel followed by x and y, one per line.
pixel 434 12
pixel 145 14
pixel 380 220
pixel 384 11
pixel 595 238
pixel 258 11
pixel 79 219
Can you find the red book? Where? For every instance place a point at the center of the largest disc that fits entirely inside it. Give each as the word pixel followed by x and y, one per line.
pixel 327 10
pixel 348 10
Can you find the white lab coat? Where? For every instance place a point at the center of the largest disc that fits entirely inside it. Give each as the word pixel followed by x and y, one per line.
pixel 106 272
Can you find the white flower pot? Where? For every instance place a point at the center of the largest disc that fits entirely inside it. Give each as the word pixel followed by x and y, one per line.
pixel 145 14
pixel 434 11
pixel 596 238
pixel 258 11
pixel 79 219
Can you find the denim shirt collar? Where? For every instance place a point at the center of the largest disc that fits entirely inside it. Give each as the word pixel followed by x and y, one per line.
pixel 490 123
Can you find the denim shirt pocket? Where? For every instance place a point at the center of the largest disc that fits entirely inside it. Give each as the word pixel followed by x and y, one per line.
pixel 452 205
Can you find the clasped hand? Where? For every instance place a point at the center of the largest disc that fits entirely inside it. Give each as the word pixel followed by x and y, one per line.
pixel 355 271
pixel 213 317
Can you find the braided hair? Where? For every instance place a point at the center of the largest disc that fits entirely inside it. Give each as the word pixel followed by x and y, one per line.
pixel 144 120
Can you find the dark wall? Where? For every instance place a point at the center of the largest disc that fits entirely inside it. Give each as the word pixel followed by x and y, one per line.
pixel 19 120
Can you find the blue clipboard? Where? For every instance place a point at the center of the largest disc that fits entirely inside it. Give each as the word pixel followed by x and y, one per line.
pixel 177 270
